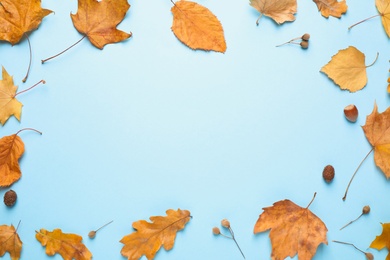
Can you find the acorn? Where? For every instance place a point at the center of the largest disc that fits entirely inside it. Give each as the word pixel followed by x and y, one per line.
pixel 10 198
pixel 351 113
pixel 328 173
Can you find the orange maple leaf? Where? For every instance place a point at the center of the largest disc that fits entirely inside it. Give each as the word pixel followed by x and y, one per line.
pixel 10 242
pixel 197 27
pixel 294 230
pixel 331 7
pixel 98 20
pixel 149 237
pixel 383 240
pixel 69 246
pixel 11 149
pixel 279 10
pixel 18 17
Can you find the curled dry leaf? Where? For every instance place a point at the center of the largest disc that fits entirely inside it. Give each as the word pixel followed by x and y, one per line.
pixel 98 20
pixel 331 7
pixel 10 242
pixel 19 17
pixel 382 240
pixel 294 230
pixel 347 69
pixel 149 237
pixel 69 246
pixel 197 27
pixel 279 10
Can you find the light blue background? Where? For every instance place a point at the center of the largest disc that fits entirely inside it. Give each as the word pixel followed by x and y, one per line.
pixel 148 125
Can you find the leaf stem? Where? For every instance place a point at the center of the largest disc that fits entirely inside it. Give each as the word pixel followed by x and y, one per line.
pixel 350 244
pixel 52 57
pixel 362 21
pixel 314 196
pixel 29 64
pixel 234 239
pixel 36 84
pixel 104 225
pixel 32 129
pixel 349 223
pixel 376 58
pixel 353 176
pixel 257 21
pixel 17 227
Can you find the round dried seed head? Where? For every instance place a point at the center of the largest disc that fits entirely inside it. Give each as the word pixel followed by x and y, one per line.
pixel 92 234
pixel 304 44
pixel 10 198
pixel 225 223
pixel 328 173
pixel 366 209
pixel 369 256
pixel 216 231
pixel 305 37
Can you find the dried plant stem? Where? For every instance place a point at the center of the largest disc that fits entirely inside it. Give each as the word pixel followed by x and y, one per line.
pixel 104 225
pixel 52 57
pixel 314 196
pixel 30 129
pixel 362 21
pixel 234 239
pixel 349 223
pixel 36 84
pixel 257 21
pixel 353 176
pixel 376 58
pixel 29 64
pixel 350 244
pixel 290 41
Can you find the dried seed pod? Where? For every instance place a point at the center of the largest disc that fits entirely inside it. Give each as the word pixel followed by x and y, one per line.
pixel 225 223
pixel 328 173
pixel 366 209
pixel 10 198
pixel 304 44
pixel 216 231
pixel 305 37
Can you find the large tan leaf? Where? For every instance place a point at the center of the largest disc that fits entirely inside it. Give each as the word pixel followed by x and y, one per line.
pixel 331 7
pixel 279 10
pixel 69 246
pixel 197 27
pixel 149 237
pixel 11 149
pixel 294 230
pixel 347 69
pixel 10 242
pixel 377 131
pixel 9 105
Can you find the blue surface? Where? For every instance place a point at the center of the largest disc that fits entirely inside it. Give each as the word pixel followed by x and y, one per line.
pixel 148 125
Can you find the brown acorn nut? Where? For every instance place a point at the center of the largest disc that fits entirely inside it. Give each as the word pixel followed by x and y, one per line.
pixel 328 173
pixel 351 113
pixel 10 198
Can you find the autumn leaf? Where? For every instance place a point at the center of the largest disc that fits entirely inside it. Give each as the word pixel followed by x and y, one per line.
pixel 197 27
pixel 149 237
pixel 10 242
pixel 383 7
pixel 69 246
pixel 9 105
pixel 347 69
pixel 98 20
pixel 331 7
pixel 294 230
pixel 383 240
pixel 18 17
pixel 279 10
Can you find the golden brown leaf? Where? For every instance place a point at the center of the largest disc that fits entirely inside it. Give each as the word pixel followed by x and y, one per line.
pixel 10 242
pixel 149 237
pixel 377 131
pixel 197 27
pixel 383 7
pixel 9 105
pixel 383 240
pixel 11 149
pixel 347 69
pixel 294 230
pixel 279 10
pixel 69 246
pixel 331 7
pixel 98 20
pixel 18 17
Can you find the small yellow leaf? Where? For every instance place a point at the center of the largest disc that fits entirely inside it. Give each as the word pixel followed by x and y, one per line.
pixel 383 240
pixel 383 7
pixel 197 27
pixel 331 7
pixel 9 105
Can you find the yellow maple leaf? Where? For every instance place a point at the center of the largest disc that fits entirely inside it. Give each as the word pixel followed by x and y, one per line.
pixel 149 237
pixel 197 27
pixel 347 69
pixel 294 230
pixel 279 10
pixel 10 242
pixel 331 7
pixel 383 240
pixel 383 7
pixel 69 246
pixel 9 105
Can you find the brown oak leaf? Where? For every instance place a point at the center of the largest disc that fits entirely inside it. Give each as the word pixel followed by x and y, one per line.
pixel 18 17
pixel 97 20
pixel 69 246
pixel 197 27
pixel 11 149
pixel 294 230
pixel 347 69
pixel 377 131
pixel 279 10
pixel 383 240
pixel 10 242
pixel 331 7
pixel 149 237
pixel 9 105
